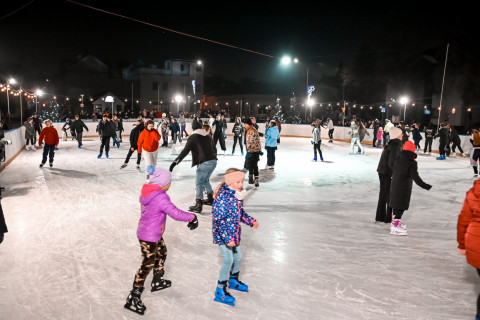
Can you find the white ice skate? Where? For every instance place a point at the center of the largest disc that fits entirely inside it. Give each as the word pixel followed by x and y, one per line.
pixel 397 228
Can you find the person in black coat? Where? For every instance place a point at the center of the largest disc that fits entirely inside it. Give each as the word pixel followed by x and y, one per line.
pixel 106 129
pixel 443 143
pixel 455 140
pixel 376 125
pixel 385 170
pixel 218 134
pixel 134 134
pixel 429 134
pixel 416 136
pixel 405 172
pixel 77 127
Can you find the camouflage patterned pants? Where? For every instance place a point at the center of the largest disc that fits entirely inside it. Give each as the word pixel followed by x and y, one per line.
pixel 154 256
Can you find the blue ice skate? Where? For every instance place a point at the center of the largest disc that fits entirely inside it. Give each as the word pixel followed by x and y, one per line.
pixel 222 295
pixel 236 284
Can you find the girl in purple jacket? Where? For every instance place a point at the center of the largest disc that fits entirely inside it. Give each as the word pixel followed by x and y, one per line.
pixel 156 205
pixel 227 213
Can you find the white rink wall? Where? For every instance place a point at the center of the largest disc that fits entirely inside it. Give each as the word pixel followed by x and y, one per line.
pixel 17 136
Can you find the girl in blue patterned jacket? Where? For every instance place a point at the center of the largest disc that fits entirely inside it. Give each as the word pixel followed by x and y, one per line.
pixel 227 213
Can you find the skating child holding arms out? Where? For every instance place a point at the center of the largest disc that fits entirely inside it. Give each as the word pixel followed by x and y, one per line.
pixel 227 214
pixel 156 205
pixel 379 137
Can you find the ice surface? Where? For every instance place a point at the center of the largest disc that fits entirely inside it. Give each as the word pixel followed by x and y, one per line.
pixel 72 252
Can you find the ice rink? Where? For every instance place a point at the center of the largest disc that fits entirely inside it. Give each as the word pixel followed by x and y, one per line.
pixel 71 251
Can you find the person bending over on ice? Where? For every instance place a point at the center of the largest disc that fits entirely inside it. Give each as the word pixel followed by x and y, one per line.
pixel 404 172
pixel 156 205
pixel 227 214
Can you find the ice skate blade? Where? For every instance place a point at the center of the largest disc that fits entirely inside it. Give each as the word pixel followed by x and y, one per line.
pixel 398 233
pixel 129 307
pixel 230 304
pixel 158 289
pixel 233 288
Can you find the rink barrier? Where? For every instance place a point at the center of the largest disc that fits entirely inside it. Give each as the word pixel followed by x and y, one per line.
pixel 288 130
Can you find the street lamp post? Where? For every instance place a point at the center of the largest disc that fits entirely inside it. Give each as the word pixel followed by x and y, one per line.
pixel 404 101
pixel 11 81
pixel 37 93
pixel 178 98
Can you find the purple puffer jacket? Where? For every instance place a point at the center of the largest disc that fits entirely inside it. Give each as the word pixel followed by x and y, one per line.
pixel 156 205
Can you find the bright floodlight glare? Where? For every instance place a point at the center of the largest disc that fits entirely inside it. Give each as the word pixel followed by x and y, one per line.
pixel 310 102
pixel 39 92
pixel 295 60
pixel 12 81
pixel 286 60
pixel 403 100
pixel 178 98
pixel 199 62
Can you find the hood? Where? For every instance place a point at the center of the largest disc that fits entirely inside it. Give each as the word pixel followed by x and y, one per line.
pixel 200 132
pixel 476 188
pixel 149 191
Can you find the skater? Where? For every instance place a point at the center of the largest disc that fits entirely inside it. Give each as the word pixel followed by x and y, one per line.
pixel 468 231
pixel 134 134
pixel 272 135
pixel 404 172
pixel 254 149
pixel 183 125
pixel 68 126
pixel 330 128
pixel 118 128
pixel 176 132
pixel 164 124
pixel 385 169
pixel 354 131
pixel 379 137
pixel 376 126
pixel 204 156
pixel 455 140
pixel 475 152
pixel 218 134
pixel 429 134
pixel 279 126
pixel 316 141
pixel 224 127
pixel 105 130
pixel 37 124
pixel 443 134
pixel 227 214
pixel 29 135
pixel 50 135
pixel 386 128
pixel 238 130
pixel 362 131
pixel 77 126
pixel 155 206
pixel 417 137
pixel 147 144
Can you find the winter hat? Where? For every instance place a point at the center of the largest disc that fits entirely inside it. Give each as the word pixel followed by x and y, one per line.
pixel 159 176
pixel 394 132
pixel 409 146
pixel 248 121
pixel 196 125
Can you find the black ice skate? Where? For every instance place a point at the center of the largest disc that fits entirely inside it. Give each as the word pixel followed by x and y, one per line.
pixel 134 302
pixel 158 283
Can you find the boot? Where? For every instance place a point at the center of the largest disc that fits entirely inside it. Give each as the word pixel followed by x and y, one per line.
pixel 256 182
pixel 236 284
pixel 134 302
pixel 314 158
pixel 158 283
pixel 209 200
pixel 197 208
pixel 222 295
pixel 250 179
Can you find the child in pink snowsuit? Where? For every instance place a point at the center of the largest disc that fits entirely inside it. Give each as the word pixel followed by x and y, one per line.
pixel 379 137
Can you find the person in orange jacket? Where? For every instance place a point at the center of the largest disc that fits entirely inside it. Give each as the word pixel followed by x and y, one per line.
pixel 50 135
pixel 468 230
pixel 148 144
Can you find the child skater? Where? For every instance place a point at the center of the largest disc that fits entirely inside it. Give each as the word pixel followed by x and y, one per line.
pixel 475 152
pixel 316 141
pixel 379 137
pixel 49 135
pixel 404 171
pixel 227 213
pixel 156 205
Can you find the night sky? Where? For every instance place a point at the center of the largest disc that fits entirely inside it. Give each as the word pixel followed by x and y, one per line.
pixel 44 34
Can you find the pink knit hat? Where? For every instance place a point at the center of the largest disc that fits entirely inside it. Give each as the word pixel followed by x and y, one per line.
pixel 159 176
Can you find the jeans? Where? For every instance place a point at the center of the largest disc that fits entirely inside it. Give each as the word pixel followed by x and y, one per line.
pixel 271 155
pixel 386 137
pixel 202 180
pixel 130 152
pixel 353 144
pixel 316 146
pixel 105 144
pixel 231 261
pixel 48 149
pixel 79 138
pixel 330 134
pixel 360 143
pixel 182 130
pixel 235 138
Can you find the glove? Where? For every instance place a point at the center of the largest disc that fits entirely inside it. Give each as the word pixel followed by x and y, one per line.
pixel 261 153
pixel 193 224
pixel 174 163
pixel 428 187
pixel 248 155
pixel 312 142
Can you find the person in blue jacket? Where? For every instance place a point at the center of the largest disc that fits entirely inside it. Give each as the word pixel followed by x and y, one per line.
pixel 272 134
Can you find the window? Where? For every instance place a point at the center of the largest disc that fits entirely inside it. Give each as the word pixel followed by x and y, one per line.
pixel 155 85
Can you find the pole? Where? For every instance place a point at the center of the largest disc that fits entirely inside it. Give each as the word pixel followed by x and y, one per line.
pixel 306 103
pixel 443 82
pixel 21 110
pixel 404 112
pixel 36 104
pixel 8 107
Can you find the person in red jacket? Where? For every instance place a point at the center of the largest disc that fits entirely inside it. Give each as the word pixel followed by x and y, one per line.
pixel 148 144
pixel 50 135
pixel 468 230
